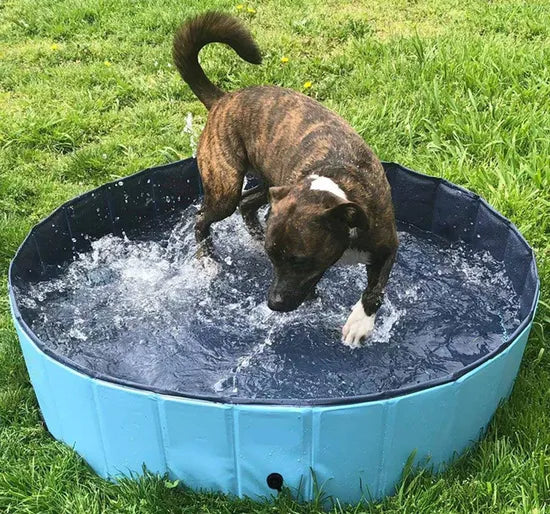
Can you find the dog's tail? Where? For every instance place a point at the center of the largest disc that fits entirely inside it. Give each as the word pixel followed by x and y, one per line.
pixel 210 27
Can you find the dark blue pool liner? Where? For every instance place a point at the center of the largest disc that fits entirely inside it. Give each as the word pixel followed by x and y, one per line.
pixel 429 203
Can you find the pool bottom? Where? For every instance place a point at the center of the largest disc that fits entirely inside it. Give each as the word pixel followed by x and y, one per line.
pixel 140 308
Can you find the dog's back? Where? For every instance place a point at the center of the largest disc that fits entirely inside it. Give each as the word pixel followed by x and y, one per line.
pixel 283 134
pixel 288 134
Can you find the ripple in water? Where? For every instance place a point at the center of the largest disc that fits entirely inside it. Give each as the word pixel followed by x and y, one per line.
pixel 144 309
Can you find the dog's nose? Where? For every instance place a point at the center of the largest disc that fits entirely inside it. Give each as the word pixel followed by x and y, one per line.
pixel 276 302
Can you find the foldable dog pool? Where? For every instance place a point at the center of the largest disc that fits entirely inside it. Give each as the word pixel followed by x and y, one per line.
pixel 141 356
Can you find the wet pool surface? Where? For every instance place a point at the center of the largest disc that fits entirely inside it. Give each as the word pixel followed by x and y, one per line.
pixel 142 308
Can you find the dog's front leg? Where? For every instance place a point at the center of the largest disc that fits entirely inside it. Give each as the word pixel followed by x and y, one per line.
pixel 251 201
pixel 360 322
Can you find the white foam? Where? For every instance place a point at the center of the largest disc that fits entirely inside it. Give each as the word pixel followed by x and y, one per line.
pixel 383 329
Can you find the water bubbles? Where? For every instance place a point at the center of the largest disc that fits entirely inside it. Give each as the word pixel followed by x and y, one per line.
pixel 77 334
pixel 191 132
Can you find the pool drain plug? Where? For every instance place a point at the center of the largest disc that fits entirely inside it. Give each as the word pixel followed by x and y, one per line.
pixel 275 481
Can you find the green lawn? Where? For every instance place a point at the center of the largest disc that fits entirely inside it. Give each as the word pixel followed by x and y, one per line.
pixel 454 89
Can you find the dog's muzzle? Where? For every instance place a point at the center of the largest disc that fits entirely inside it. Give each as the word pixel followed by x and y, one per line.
pixel 277 302
pixel 282 296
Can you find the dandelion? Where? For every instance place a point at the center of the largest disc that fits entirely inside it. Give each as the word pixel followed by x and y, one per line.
pixel 250 10
pixel 54 47
pixel 107 63
pixel 240 7
pixel 284 59
pixel 307 85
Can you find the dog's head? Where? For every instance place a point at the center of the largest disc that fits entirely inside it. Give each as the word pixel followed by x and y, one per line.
pixel 308 230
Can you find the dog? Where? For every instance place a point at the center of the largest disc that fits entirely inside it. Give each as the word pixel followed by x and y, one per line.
pixel 327 190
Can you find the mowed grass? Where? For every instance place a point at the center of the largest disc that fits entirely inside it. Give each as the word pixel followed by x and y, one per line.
pixel 460 90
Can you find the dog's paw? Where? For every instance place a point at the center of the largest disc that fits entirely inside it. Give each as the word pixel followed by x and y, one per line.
pixel 357 327
pixel 207 267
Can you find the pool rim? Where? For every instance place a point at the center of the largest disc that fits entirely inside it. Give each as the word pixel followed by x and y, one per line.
pixel 304 402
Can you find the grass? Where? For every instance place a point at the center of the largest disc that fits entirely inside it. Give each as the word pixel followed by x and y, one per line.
pixel 460 90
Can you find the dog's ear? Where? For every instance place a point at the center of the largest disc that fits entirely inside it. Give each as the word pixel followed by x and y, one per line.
pixel 348 212
pixel 278 193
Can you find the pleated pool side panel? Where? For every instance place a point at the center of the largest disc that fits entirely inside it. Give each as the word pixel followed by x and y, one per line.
pixel 354 451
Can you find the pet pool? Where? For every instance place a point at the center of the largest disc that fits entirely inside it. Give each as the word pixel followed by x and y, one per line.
pixel 141 356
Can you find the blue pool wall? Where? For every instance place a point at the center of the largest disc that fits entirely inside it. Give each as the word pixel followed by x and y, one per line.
pixel 357 451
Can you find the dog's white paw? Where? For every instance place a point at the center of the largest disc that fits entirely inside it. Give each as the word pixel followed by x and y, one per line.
pixel 207 267
pixel 358 326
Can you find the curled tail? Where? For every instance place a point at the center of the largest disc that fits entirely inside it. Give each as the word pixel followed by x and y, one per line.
pixel 210 27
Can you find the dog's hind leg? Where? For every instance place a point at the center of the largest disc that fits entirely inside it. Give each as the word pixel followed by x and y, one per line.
pixel 222 192
pixel 213 209
pixel 251 201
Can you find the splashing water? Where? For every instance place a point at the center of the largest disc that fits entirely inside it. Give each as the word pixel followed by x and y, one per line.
pixel 143 308
pixel 188 129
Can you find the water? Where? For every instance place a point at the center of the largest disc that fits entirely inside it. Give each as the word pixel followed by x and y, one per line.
pixel 143 308
pixel 191 132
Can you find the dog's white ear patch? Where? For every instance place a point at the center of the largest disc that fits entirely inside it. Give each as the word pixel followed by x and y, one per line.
pixel 358 326
pixel 319 183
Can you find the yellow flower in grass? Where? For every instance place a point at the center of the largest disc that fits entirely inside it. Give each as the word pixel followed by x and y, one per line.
pixel 284 60
pixel 250 10
pixel 307 85
pixel 107 63
pixel 240 7
pixel 54 47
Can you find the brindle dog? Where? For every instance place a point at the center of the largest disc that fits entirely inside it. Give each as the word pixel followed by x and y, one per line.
pixel 327 189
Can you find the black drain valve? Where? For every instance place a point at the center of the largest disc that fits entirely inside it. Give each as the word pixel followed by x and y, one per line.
pixel 275 481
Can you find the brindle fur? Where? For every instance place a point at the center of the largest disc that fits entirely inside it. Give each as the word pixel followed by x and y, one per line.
pixel 283 137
